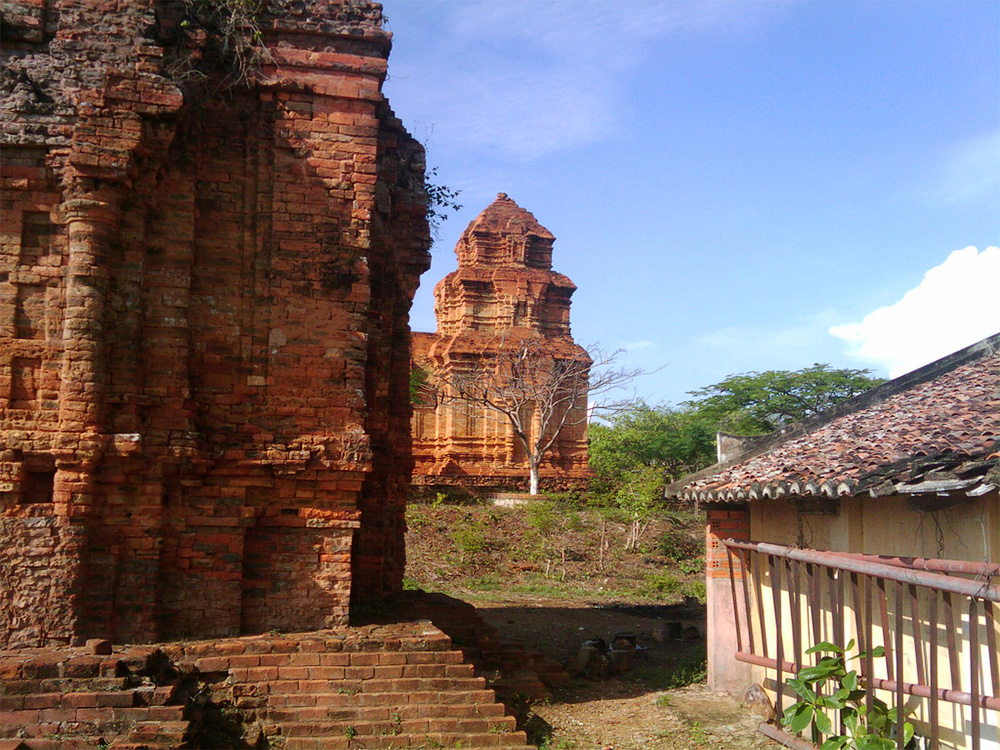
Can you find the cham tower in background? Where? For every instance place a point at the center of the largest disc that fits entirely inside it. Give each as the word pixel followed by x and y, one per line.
pixel 204 336
pixel 504 292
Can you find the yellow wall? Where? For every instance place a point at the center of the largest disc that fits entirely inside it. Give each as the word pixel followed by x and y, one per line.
pixel 887 526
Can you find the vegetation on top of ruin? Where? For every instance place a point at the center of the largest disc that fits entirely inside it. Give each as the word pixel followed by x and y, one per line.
pixel 564 547
pixel 233 39
pixel 441 200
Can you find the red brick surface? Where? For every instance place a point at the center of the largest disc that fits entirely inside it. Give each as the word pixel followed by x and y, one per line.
pixel 725 524
pixel 503 291
pixel 204 347
pixel 312 711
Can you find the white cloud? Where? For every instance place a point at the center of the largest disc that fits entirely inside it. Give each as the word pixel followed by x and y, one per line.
pixel 971 172
pixel 532 78
pixel 956 304
pixel 631 346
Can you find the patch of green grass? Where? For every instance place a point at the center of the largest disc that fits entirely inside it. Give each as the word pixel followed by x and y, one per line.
pixel 698 734
pixel 564 744
pixel 543 515
pixel 692 565
pixel 488 582
pixel 688 671
pixel 663 584
pixel 696 589
pixel 470 538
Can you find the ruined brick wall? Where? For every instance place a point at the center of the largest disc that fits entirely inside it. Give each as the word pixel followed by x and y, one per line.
pixel 204 337
pixel 504 291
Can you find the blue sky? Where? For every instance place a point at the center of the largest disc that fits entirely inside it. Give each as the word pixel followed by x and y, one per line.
pixel 733 186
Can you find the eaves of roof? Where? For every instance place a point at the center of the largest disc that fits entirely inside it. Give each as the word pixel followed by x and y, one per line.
pixel 934 431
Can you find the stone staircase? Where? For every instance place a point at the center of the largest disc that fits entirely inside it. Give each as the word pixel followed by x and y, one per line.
pixel 514 672
pixel 76 699
pixel 391 686
pixel 401 685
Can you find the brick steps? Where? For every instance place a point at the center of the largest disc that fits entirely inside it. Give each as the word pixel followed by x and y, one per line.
pixel 71 698
pixel 384 705
pixel 375 687
pixel 514 671
pixel 405 684
pixel 359 725
pixel 463 740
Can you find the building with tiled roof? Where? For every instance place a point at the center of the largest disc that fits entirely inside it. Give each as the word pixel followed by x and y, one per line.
pixel 877 521
pixel 925 433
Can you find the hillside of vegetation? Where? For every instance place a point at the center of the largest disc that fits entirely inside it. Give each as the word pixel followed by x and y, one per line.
pixel 555 549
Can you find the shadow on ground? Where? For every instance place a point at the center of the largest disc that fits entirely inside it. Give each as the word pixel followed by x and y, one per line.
pixel 670 642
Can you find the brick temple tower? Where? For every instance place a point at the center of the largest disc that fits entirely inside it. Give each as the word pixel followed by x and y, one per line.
pixel 204 339
pixel 503 292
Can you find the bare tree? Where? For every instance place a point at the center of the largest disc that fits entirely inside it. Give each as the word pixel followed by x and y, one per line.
pixel 539 386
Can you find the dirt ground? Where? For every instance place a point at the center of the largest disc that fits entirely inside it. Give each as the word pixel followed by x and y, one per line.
pixel 554 576
pixel 642 709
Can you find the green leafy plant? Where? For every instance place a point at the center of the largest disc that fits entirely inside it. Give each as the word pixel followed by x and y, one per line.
pixel 441 199
pixel 692 565
pixel 662 584
pixel 868 728
pixel 543 516
pixel 470 538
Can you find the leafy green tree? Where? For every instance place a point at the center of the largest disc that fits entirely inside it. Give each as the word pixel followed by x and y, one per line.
pixel 756 403
pixel 641 441
pixel 673 441
pixel 637 451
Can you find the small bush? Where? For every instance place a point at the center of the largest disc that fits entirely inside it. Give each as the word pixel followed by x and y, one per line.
pixel 692 566
pixel 543 516
pixel 470 539
pixel 696 589
pixel 662 585
pixel 574 499
pixel 678 545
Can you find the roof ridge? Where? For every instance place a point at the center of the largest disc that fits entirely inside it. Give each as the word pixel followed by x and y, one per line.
pixel 987 347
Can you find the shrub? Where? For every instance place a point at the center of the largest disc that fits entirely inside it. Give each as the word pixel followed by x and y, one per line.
pixel 696 589
pixel 868 728
pixel 661 585
pixel 470 538
pixel 692 565
pixel 543 516
pixel 678 545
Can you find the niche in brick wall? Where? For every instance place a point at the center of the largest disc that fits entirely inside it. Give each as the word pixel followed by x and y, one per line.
pixel 38 482
pixel 29 311
pixel 24 381
pixel 37 231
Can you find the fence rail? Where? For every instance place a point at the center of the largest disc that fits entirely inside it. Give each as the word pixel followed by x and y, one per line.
pixel 915 608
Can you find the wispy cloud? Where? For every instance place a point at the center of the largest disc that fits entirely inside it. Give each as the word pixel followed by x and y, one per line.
pixel 797 344
pixel 956 304
pixel 971 172
pixel 634 346
pixel 531 78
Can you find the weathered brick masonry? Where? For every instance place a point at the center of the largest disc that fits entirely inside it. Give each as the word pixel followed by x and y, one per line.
pixel 204 341
pixel 503 292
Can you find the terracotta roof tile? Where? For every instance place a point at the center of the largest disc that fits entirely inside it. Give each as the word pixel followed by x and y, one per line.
pixel 940 422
